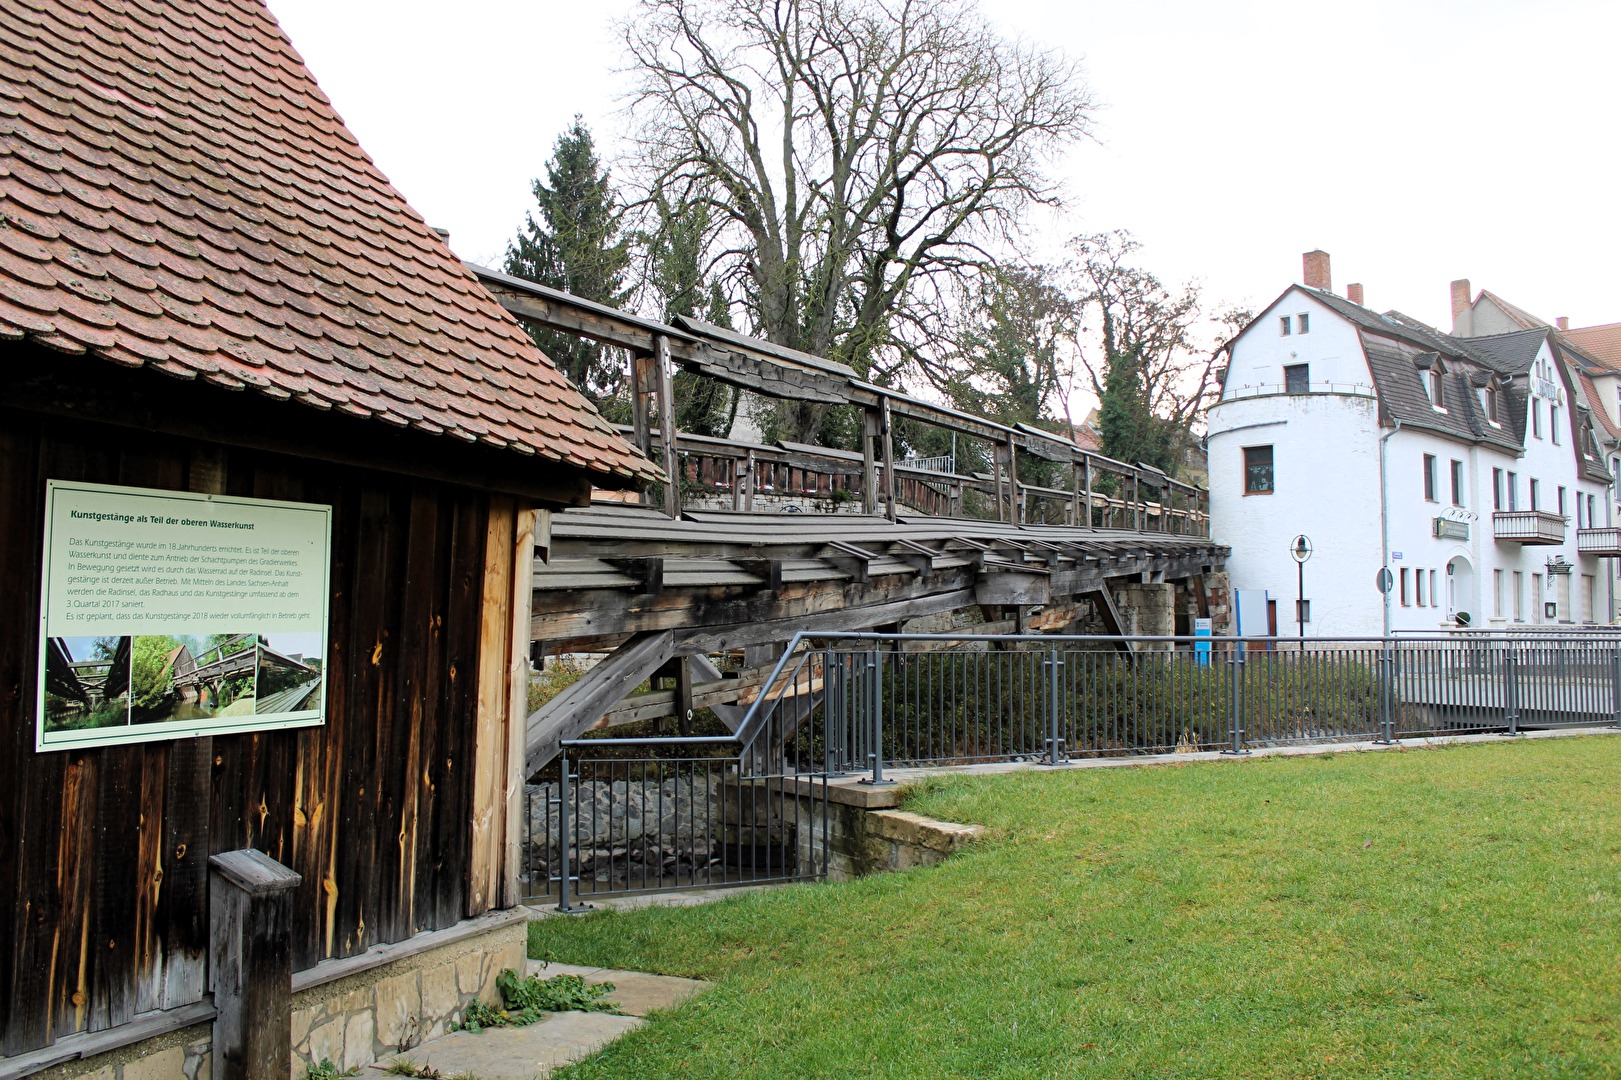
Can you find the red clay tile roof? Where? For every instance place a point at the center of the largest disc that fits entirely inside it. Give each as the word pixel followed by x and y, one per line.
pixel 1602 343
pixel 177 193
pixel 1597 407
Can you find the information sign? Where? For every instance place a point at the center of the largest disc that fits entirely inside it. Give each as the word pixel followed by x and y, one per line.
pixel 167 614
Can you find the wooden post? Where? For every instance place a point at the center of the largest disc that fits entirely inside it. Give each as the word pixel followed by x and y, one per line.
pixel 886 432
pixel 1015 493
pixel 869 462
pixel 1136 503
pixel 1074 509
pixel 1089 493
pixel 487 831
pixel 523 567
pixel 748 482
pixel 667 433
pixel 641 385
pixel 251 963
pixel 683 695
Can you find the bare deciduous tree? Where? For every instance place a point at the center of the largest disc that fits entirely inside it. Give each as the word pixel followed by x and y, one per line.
pixel 1153 377
pixel 864 156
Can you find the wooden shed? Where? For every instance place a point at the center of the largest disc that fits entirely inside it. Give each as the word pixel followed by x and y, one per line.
pixel 207 287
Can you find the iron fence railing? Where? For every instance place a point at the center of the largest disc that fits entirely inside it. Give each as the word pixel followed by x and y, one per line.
pixel 924 700
pixel 615 816
pixel 618 816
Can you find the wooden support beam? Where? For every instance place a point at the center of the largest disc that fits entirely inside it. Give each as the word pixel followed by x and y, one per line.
pixel 488 825
pixel 1103 601
pixel 769 571
pixel 869 462
pixel 666 405
pixel 582 703
pixel 523 596
pixel 886 432
pixel 251 964
pixel 648 571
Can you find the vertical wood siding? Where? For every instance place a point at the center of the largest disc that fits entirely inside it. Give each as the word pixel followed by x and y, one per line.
pixel 106 850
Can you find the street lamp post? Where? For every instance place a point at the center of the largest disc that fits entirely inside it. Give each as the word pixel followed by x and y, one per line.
pixel 1300 551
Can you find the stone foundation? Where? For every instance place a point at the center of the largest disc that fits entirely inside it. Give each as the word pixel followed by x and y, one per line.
pixel 866 835
pixel 355 1020
pixel 345 1011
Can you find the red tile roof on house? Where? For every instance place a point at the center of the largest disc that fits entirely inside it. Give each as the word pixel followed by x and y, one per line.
pixel 1602 343
pixel 177 193
pixel 1597 407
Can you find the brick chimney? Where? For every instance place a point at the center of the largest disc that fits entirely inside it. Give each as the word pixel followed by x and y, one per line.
pixel 1353 293
pixel 1563 322
pixel 1460 298
pixel 1314 266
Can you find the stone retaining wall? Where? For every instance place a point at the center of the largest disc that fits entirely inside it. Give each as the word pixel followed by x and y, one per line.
pixel 866 835
pixel 352 1021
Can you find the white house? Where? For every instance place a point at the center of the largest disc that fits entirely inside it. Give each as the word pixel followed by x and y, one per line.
pixel 1466 466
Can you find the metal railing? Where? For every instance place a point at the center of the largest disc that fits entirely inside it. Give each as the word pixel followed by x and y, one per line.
pixel 898 700
pixel 617 815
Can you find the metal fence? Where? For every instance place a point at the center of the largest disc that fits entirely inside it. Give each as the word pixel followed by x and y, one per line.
pixel 914 700
pixel 660 814
pixel 620 816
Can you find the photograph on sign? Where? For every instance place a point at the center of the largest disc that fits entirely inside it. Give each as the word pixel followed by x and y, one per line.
pixel 170 614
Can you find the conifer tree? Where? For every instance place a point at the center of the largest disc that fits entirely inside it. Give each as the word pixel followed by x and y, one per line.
pixel 576 245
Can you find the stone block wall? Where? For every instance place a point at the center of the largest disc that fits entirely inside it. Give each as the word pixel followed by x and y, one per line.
pixel 351 1021
pixel 866 840
pixel 356 1020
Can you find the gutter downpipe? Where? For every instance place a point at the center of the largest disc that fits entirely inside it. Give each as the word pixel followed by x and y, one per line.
pixel 1384 520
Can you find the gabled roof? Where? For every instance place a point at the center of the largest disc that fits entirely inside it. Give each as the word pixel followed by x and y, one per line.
pixel 1508 354
pixel 176 193
pixel 1513 311
pixel 1602 343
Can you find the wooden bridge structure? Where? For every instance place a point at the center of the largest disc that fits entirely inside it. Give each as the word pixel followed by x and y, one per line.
pixel 747 543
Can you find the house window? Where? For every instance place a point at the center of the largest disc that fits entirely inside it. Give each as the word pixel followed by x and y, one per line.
pixel 1304 321
pixel 1258 470
pixel 1302 607
pixel 1497 594
pixel 1284 327
pixel 1513 491
pixel 1491 396
pixel 1561 494
pixel 1405 601
pixel 1435 386
pixel 1435 597
pixel 1579 524
pixel 1519 596
pixel 1457 483
pixel 1536 417
pixel 1297 377
pixel 1553 423
pixel 1592 522
pixel 1418 590
pixel 1497 489
pixel 1536 494
pixel 1429 477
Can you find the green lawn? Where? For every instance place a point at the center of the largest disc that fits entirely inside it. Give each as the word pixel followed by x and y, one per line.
pixel 1452 912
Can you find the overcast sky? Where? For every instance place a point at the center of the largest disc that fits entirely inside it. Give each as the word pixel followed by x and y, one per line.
pixel 1414 141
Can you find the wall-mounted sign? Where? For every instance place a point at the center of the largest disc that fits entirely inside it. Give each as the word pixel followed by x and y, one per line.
pixel 167 614
pixel 1447 529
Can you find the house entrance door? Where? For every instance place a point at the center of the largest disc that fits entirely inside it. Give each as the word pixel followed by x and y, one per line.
pixel 1562 591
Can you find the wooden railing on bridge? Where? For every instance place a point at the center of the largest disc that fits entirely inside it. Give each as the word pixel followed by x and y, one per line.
pixel 1098 491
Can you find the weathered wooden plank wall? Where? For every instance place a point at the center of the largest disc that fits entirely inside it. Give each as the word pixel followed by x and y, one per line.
pixel 106 850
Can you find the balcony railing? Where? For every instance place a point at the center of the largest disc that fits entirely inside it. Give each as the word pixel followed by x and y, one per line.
pixel 1529 526
pixel 1599 541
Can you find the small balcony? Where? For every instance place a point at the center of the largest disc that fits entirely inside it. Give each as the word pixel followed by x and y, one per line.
pixel 1599 542
pixel 1529 526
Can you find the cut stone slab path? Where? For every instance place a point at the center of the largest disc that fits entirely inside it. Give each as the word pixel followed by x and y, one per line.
pixel 535 1050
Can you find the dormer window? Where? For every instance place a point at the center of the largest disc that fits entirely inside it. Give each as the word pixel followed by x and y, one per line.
pixel 1491 400
pixel 1433 385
